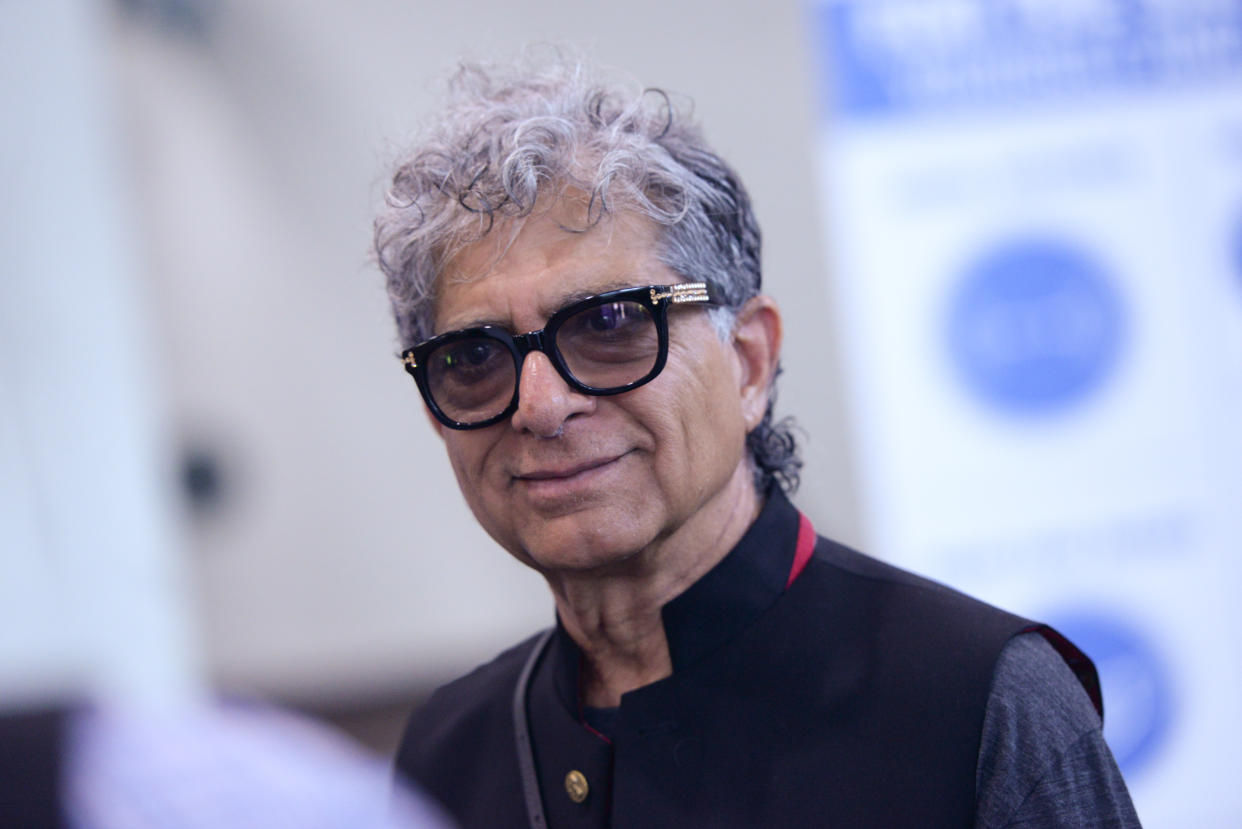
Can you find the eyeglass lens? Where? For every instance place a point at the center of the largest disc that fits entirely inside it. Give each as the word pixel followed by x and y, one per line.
pixel 605 346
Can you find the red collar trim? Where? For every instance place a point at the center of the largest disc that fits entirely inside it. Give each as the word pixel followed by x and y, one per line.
pixel 802 552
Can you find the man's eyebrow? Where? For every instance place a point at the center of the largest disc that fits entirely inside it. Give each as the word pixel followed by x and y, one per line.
pixel 567 299
pixel 554 306
pixel 596 290
pixel 474 322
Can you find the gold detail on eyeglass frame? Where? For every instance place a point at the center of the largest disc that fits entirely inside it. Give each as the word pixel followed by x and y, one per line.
pixel 685 292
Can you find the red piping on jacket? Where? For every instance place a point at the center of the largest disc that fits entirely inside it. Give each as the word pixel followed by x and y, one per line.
pixel 804 548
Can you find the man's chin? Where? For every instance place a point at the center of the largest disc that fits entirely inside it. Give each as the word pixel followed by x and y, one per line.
pixel 579 550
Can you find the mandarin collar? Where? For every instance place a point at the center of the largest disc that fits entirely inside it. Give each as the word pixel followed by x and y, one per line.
pixel 720 605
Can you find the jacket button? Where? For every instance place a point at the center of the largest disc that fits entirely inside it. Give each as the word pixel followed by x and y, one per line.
pixel 576 786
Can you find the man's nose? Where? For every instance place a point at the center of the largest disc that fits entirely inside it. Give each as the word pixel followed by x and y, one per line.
pixel 545 400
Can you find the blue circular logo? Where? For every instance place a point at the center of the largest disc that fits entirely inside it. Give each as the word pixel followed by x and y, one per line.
pixel 1138 694
pixel 1237 249
pixel 1035 326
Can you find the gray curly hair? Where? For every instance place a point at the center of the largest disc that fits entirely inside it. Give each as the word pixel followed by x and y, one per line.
pixel 513 136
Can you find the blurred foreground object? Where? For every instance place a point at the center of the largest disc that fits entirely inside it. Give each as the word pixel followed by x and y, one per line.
pixel 230 766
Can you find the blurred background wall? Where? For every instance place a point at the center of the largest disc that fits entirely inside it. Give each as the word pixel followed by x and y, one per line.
pixel 1007 238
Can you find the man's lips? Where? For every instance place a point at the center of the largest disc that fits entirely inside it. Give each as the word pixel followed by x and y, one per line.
pixel 569 471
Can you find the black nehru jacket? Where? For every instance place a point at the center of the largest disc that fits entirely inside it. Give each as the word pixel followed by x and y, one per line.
pixel 853 697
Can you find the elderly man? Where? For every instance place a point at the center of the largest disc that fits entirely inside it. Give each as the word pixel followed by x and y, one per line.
pixel 576 282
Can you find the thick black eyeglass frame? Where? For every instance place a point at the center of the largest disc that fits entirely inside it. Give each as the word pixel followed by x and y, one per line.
pixel 655 298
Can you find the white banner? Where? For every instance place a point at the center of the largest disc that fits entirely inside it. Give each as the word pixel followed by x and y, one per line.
pixel 1036 215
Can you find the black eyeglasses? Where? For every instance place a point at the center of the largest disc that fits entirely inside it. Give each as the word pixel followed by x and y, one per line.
pixel 605 344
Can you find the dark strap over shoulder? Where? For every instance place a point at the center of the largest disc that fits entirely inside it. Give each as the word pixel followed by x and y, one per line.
pixel 521 731
pixel 30 766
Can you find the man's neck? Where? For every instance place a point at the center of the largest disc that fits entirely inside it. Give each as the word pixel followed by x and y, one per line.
pixel 615 617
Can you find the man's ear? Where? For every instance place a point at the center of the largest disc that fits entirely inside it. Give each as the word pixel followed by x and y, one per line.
pixel 757 342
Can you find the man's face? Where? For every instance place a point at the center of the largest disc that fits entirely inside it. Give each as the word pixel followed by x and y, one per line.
pixel 574 482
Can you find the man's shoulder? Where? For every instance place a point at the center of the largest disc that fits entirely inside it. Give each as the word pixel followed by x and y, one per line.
pixel 933 618
pixel 861 565
pixel 833 561
pixel 463 712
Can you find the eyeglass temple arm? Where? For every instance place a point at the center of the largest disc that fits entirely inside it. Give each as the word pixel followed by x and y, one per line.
pixel 684 292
